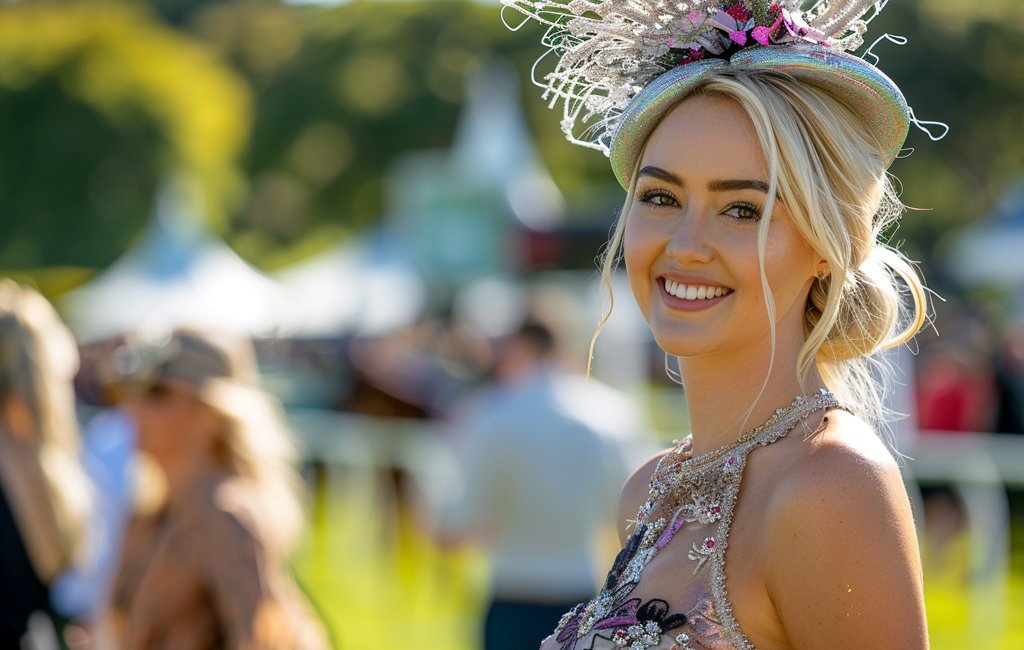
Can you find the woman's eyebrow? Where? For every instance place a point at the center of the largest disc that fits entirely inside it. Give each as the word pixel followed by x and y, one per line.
pixel 661 174
pixel 727 186
pixel 713 186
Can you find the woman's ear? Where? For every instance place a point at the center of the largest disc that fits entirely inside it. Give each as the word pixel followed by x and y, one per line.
pixel 823 270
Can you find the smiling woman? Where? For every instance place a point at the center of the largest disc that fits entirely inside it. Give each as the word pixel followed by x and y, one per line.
pixel 830 201
pixel 754 154
pixel 750 236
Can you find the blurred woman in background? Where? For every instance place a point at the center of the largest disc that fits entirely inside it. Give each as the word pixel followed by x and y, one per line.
pixel 207 569
pixel 44 494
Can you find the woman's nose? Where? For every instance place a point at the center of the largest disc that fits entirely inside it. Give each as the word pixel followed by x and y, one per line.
pixel 690 240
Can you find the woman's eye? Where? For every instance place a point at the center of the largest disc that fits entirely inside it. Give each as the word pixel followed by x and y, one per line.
pixel 744 212
pixel 658 198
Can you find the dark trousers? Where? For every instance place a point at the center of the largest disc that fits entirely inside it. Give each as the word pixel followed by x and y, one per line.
pixel 513 625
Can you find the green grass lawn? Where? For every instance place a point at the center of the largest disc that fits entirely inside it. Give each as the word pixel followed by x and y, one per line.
pixel 380 584
pixel 962 615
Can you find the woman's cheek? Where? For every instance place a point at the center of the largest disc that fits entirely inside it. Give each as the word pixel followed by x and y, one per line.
pixel 789 261
pixel 638 265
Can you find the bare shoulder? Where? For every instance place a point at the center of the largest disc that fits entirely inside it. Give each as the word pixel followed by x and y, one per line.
pixel 845 568
pixel 844 463
pixel 837 481
pixel 634 494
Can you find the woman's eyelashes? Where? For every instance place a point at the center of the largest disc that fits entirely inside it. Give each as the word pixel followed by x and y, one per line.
pixel 658 198
pixel 743 211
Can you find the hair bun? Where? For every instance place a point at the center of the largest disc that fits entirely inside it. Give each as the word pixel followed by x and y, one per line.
pixel 872 315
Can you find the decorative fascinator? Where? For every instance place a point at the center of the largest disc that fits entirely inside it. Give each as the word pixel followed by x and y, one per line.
pixel 623 64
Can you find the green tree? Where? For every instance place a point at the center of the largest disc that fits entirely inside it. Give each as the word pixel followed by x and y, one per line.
pixel 97 101
pixel 342 92
pixel 963 66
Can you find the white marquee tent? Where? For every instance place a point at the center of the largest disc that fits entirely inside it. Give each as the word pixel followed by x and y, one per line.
pixel 179 274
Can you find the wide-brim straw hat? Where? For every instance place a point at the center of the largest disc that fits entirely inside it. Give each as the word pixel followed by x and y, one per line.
pixel 215 367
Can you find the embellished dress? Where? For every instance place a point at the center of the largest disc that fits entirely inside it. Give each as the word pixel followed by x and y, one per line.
pixel 648 605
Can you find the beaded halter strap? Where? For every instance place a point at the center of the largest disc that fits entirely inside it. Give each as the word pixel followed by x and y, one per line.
pixel 676 471
pixel 689 490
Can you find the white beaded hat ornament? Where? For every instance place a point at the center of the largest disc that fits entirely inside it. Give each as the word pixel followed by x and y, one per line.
pixel 623 64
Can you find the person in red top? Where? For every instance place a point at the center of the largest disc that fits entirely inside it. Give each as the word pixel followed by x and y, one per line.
pixel 956 392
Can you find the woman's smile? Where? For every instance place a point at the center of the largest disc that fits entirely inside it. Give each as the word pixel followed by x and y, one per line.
pixel 690 293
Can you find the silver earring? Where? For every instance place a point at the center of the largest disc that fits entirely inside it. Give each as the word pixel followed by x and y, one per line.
pixel 822 275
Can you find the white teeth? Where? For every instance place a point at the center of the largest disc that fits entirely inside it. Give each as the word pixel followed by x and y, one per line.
pixel 693 292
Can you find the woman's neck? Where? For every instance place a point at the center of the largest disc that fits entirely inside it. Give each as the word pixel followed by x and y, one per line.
pixel 734 391
pixel 191 473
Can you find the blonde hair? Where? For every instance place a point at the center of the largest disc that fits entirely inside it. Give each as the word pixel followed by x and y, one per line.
pixel 826 167
pixel 38 361
pixel 259 446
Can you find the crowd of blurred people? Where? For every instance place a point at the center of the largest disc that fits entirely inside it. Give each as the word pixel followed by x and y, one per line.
pixel 169 520
pixel 172 527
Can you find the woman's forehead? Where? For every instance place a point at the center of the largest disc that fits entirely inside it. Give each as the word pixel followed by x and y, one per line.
pixel 707 137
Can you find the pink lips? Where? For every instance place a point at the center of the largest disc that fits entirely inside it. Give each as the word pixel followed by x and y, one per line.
pixel 682 304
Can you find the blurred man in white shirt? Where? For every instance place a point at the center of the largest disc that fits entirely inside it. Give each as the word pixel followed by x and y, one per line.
pixel 543 458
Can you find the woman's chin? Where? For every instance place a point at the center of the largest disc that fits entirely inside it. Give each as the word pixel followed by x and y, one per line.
pixel 688 346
